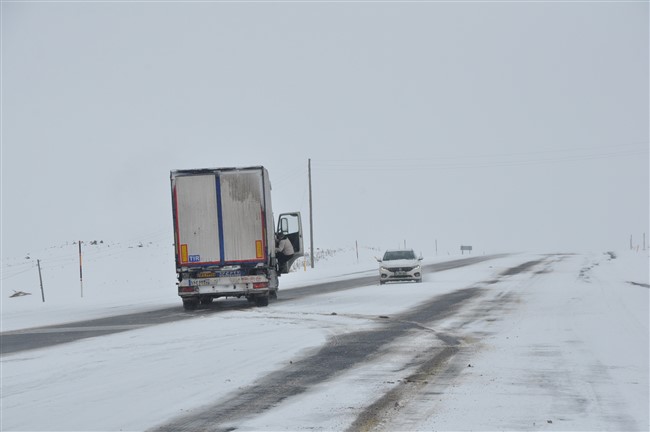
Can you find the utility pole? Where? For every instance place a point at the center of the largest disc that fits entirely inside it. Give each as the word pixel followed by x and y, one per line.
pixel 81 277
pixel 38 263
pixel 356 245
pixel 311 218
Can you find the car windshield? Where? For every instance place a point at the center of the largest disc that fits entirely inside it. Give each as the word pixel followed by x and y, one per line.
pixel 398 255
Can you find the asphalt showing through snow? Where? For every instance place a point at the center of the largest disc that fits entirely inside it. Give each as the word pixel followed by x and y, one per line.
pixel 339 356
pixel 42 337
pixel 344 353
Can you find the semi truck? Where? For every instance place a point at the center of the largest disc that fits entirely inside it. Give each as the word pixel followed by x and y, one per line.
pixel 225 237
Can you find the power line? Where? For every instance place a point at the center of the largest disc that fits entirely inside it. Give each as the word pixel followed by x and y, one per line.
pixel 484 160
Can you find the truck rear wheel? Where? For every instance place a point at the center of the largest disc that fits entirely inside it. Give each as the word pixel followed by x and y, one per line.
pixel 262 301
pixel 190 304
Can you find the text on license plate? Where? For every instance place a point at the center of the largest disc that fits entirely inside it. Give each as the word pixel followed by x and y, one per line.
pixel 200 282
pixel 229 273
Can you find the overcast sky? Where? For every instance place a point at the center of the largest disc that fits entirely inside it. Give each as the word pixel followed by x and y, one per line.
pixel 505 126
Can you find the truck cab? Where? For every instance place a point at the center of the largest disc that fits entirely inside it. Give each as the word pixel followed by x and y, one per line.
pixel 290 225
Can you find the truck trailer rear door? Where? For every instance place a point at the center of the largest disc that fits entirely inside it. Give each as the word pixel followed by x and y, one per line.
pixel 197 227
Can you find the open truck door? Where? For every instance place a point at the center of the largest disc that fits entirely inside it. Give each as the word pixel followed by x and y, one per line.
pixel 290 225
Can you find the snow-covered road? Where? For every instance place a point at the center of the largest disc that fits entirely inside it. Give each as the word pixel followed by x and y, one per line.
pixel 560 344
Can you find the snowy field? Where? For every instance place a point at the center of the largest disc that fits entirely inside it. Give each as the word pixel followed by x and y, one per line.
pixel 570 352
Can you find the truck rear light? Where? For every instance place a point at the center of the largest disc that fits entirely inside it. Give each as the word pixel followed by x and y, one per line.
pixel 257 285
pixel 187 289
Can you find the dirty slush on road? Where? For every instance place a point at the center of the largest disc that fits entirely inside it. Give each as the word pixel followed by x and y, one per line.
pixel 347 351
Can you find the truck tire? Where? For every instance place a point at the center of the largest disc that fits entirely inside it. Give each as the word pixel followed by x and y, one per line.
pixel 205 300
pixel 262 301
pixel 190 304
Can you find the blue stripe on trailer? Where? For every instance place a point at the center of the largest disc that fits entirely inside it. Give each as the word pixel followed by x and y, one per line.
pixel 222 246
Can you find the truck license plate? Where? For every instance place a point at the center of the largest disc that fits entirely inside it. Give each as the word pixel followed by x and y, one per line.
pixel 229 273
pixel 200 282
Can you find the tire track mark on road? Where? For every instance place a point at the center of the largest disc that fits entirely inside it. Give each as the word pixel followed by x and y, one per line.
pixel 46 336
pixel 334 359
pixel 351 350
pixel 443 364
pixel 374 415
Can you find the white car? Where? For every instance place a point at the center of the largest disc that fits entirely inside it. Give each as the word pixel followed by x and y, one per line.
pixel 400 265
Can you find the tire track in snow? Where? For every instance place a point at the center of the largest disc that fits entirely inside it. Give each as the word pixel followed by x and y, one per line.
pixel 42 337
pixel 331 360
pixel 393 411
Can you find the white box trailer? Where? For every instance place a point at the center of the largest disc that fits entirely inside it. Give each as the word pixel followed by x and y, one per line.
pixel 224 235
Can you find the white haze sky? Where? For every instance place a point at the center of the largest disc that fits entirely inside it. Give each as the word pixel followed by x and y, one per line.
pixel 502 125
